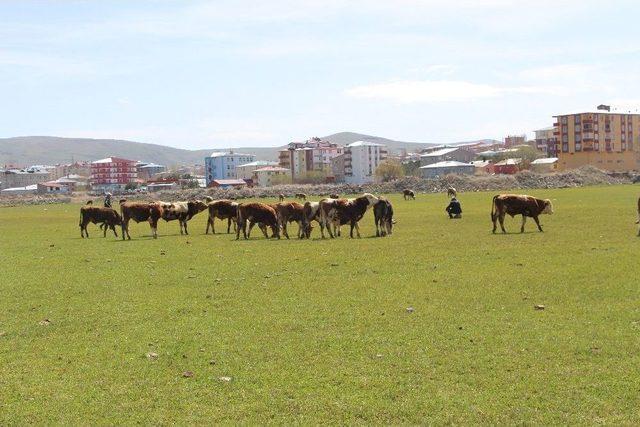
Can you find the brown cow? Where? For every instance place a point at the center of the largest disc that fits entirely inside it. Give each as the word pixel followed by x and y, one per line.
pixel 256 213
pixel 383 217
pixel 334 196
pixel 408 194
pixel 222 209
pixel 513 204
pixel 281 197
pixel 140 211
pixel 452 192
pixel 301 196
pixel 183 211
pixel 345 211
pixel 290 212
pixel 98 215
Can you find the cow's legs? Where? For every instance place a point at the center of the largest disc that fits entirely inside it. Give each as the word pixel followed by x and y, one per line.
pixel 535 218
pixel 185 228
pixel 154 227
pixel 104 230
pixel 501 219
pixel 524 220
pixel 494 219
pixel 125 228
pixel 113 227
pixel 284 230
pixel 357 229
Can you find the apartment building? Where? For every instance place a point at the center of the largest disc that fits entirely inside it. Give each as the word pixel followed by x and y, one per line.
pixel 604 139
pixel 112 173
pixel 271 175
pixel 13 178
pixel 222 165
pixel 514 140
pixel 246 171
pixel 361 159
pixel 546 141
pixel 311 155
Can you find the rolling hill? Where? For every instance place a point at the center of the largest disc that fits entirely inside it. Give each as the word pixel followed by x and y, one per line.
pixel 28 150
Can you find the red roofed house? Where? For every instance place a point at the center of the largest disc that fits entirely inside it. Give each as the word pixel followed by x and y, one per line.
pixel 112 173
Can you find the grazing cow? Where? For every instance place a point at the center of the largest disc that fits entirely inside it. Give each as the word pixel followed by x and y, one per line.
pixel 98 215
pixel 183 211
pixel 290 212
pixel 344 211
pixel 256 213
pixel 383 217
pixel 222 209
pixel 452 192
pixel 301 196
pixel 513 204
pixel 140 211
pixel 281 197
pixel 311 212
pixel 408 194
pixel 334 196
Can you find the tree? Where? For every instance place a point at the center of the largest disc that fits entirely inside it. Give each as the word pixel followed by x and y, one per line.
pixel 312 177
pixel 389 170
pixel 411 168
pixel 526 153
pixel 131 186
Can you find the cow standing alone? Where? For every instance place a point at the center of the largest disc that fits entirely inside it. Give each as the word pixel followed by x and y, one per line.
pixel 408 194
pixel 513 205
pixel 383 217
pixel 98 215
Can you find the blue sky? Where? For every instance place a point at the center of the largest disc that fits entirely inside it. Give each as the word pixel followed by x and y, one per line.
pixel 206 74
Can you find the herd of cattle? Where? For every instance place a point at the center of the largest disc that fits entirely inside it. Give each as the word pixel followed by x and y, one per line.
pixel 329 213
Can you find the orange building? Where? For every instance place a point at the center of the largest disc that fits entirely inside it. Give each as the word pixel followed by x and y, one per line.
pixel 606 140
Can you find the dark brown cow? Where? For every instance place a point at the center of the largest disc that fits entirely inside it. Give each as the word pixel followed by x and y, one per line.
pixel 345 211
pixel 281 197
pixel 408 194
pixel 383 217
pixel 513 204
pixel 222 209
pixel 290 212
pixel 334 196
pixel 452 192
pixel 183 211
pixel 98 215
pixel 256 213
pixel 140 211
pixel 301 196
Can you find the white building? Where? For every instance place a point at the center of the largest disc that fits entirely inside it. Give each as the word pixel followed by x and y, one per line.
pixel 271 175
pixel 361 159
pixel 246 171
pixel 222 165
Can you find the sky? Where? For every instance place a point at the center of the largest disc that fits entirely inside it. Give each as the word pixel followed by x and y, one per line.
pixel 212 74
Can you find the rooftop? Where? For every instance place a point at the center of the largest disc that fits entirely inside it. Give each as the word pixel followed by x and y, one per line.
pixel 151 165
pixel 113 160
pixel 229 181
pixel 259 163
pixel 272 168
pixel 228 153
pixel 441 152
pixel 545 161
pixel 364 144
pixel 509 162
pixel 445 164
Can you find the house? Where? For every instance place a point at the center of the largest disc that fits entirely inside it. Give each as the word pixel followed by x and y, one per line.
pixel 112 173
pixel 222 165
pixel 447 167
pixel 147 171
pixel 508 166
pixel 271 175
pixel 29 189
pixel 361 159
pixel 545 165
pixel 52 187
pixel 228 183
pixel 246 171
pixel 17 178
pixel 458 154
pixel 483 167
pixel 158 186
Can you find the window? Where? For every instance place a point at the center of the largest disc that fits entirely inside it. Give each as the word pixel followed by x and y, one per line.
pixel 564 120
pixel 596 146
pixel 577 119
pixel 578 137
pixel 565 147
pixel 578 146
pixel 565 128
pixel 565 138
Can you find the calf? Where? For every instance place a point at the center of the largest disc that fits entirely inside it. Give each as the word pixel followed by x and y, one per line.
pixel 255 213
pixel 222 209
pixel 345 211
pixel 383 217
pixel 334 196
pixel 98 215
pixel 183 211
pixel 140 211
pixel 290 212
pixel 408 194
pixel 513 205
pixel 301 196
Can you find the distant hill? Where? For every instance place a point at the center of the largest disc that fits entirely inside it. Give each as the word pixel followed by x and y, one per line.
pixel 29 150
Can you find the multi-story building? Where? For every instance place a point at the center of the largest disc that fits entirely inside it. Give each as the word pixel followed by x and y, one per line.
pixel 112 173
pixel 13 178
pixel 514 140
pixel 246 171
pixel 271 175
pixel 312 155
pixel 146 171
pixel 361 159
pixel 606 140
pixel 546 141
pixel 222 165
pixel 337 166
pixel 459 154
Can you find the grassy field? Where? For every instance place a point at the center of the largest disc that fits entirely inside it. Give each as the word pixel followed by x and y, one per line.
pixel 318 331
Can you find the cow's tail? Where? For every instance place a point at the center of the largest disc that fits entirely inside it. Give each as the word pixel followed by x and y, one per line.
pixel 493 206
pixel 81 217
pixel 638 221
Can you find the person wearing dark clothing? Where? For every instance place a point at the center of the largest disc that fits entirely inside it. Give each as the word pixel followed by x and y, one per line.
pixel 454 209
pixel 107 200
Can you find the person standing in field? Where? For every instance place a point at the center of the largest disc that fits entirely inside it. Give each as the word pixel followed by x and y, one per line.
pixel 107 200
pixel 454 209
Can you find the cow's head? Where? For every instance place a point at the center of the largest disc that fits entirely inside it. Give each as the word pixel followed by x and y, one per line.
pixel 208 199
pixel 197 206
pixel 548 207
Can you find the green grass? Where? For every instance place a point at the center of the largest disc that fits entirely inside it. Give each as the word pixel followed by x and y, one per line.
pixel 318 331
